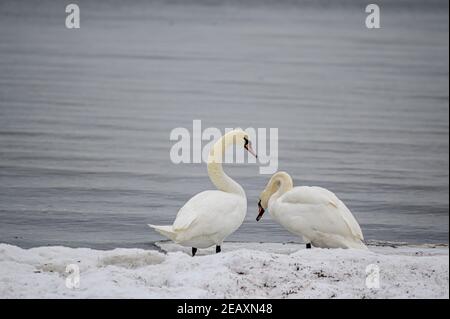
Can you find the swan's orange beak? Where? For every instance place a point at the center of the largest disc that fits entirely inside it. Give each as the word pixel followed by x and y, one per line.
pixel 260 211
pixel 249 148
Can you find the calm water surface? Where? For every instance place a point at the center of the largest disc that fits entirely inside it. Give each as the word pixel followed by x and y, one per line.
pixel 85 115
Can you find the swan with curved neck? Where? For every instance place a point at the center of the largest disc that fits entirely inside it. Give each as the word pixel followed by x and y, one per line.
pixel 215 170
pixel 210 216
pixel 314 213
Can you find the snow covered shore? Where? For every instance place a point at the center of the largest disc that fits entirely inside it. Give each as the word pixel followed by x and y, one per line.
pixel 242 270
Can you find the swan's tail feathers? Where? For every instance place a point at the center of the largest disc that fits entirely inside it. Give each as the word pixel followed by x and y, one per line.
pixel 166 231
pixel 359 244
pixel 364 245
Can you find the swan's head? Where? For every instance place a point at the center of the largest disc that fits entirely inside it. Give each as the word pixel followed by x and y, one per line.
pixel 248 147
pixel 239 137
pixel 236 137
pixel 272 187
pixel 264 200
pixel 243 139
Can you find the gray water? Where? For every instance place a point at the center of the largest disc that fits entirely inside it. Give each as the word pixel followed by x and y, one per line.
pixel 85 115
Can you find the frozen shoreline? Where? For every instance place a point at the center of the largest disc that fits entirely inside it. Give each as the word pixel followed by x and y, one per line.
pixel 242 270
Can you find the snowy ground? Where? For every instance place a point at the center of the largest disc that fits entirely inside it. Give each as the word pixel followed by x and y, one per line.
pixel 242 270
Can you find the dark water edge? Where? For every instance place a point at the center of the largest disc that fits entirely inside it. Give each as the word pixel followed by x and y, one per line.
pixel 156 245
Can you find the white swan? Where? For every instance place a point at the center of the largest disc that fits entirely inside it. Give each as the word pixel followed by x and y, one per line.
pixel 210 216
pixel 314 213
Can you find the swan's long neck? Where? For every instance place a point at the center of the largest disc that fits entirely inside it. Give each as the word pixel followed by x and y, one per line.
pixel 284 183
pixel 215 171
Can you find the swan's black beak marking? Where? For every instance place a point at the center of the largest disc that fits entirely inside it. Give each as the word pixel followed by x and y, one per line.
pixel 248 147
pixel 260 211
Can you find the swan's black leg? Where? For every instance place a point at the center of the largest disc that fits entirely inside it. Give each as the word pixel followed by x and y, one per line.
pixel 308 246
pixel 194 250
pixel 218 250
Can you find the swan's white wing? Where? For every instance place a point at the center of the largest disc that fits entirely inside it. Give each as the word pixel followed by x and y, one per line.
pixel 305 195
pixel 343 210
pixel 208 211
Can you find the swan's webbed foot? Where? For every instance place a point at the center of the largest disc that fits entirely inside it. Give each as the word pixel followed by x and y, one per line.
pixel 194 250
pixel 218 249
pixel 308 245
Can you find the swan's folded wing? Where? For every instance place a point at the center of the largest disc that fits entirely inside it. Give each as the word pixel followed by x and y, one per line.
pixel 321 196
pixel 311 196
pixel 186 216
pixel 206 208
pixel 351 221
pixel 191 211
pixel 183 221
